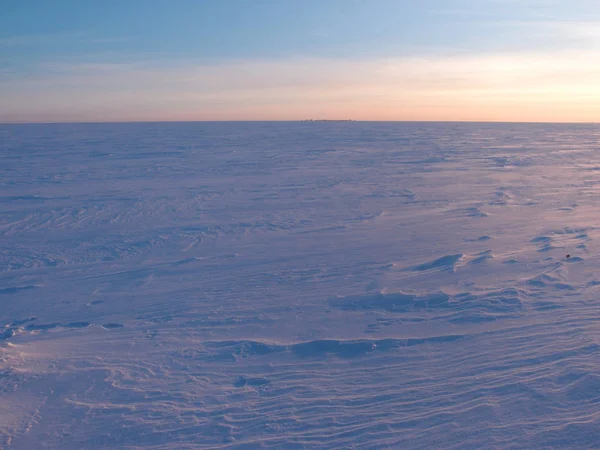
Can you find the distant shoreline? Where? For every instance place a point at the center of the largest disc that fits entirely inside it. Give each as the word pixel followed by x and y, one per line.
pixel 327 120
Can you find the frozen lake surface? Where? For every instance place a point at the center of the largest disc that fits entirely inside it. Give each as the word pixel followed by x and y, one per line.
pixel 299 285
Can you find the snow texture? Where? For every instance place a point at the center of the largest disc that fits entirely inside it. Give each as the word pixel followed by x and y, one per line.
pixel 299 285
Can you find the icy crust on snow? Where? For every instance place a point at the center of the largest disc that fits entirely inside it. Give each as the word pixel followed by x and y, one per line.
pixel 299 285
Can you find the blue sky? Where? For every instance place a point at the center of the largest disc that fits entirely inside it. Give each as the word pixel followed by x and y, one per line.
pixel 67 60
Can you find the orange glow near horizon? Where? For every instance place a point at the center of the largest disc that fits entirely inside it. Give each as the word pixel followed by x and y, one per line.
pixel 503 88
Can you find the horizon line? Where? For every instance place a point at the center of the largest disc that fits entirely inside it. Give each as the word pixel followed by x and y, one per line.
pixel 102 122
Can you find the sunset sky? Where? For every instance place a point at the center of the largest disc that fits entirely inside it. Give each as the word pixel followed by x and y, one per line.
pixel 170 60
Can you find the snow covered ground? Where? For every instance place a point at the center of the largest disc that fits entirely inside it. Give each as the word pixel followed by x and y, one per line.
pixel 299 285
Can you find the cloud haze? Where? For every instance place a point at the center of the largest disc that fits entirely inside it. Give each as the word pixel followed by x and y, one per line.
pixel 544 86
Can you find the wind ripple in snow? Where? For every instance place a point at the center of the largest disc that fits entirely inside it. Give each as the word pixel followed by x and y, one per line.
pixel 299 285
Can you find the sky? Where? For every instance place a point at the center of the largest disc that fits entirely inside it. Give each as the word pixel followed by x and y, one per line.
pixel 187 60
